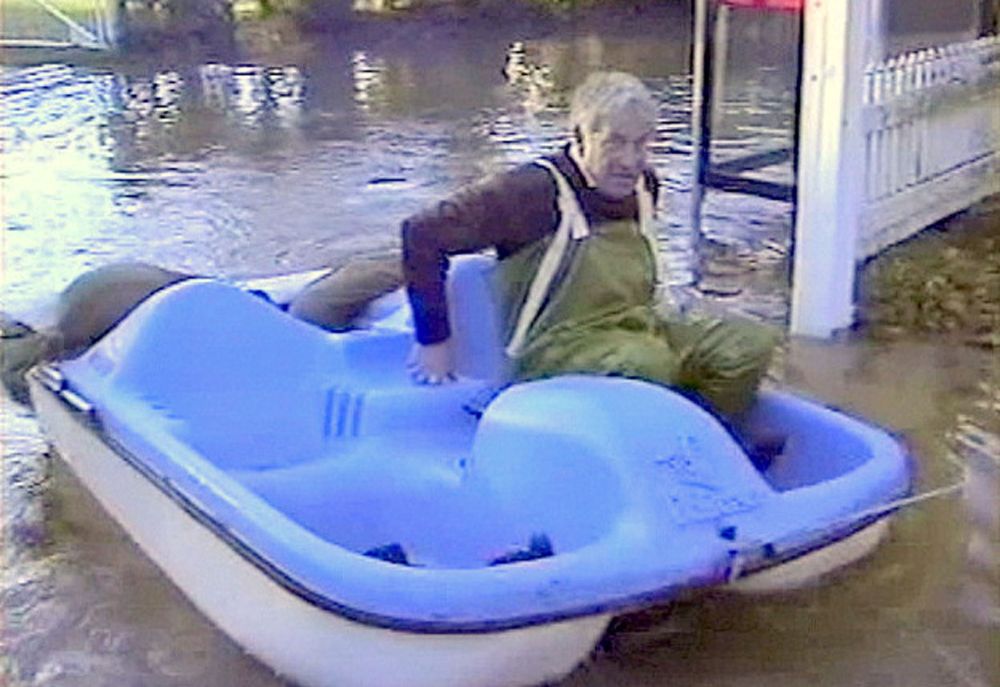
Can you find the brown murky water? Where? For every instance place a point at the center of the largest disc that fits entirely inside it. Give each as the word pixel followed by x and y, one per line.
pixel 302 151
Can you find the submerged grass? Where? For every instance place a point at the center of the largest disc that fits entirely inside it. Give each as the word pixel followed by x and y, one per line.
pixel 944 281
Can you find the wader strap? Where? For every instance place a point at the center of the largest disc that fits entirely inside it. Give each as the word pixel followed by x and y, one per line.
pixel 569 208
pixel 572 225
pixel 646 214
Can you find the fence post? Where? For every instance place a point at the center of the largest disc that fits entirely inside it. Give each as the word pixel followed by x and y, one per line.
pixel 923 83
pixel 896 128
pixel 830 184
pixel 909 149
pixel 880 137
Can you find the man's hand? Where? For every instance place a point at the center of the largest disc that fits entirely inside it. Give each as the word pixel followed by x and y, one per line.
pixel 432 364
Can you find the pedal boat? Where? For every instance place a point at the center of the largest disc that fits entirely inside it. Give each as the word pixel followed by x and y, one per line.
pixel 353 529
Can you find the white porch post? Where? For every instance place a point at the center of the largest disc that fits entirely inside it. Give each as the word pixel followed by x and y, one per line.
pixel 875 32
pixel 831 166
pixel 699 49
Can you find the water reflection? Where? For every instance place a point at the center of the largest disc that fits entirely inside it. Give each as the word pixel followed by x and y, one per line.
pixel 369 80
pixel 976 442
pixel 247 95
pixel 380 6
pixel 534 82
pixel 54 146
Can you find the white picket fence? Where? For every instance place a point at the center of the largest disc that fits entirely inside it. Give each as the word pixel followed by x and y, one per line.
pixel 885 149
pixel 931 123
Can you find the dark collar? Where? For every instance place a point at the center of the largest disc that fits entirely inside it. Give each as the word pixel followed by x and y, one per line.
pixel 595 205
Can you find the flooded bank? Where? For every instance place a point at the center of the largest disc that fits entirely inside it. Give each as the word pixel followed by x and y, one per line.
pixel 302 153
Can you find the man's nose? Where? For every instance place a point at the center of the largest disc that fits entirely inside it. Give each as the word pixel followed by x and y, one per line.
pixel 632 156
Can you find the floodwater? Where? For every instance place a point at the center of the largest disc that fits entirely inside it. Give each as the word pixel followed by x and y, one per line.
pixel 296 152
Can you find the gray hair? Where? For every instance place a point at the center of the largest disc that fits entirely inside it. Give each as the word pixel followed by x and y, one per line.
pixel 604 93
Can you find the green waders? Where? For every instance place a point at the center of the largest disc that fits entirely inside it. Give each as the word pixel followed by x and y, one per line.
pixel 599 318
pixel 336 300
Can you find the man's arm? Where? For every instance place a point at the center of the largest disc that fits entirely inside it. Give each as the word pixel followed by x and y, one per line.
pixel 505 212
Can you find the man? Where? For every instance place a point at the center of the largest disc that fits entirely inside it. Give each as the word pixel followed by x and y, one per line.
pixel 577 265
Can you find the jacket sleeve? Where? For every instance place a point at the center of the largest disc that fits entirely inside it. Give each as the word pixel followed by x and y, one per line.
pixel 504 212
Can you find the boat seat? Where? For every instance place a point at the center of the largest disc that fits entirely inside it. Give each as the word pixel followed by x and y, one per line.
pixel 474 314
pixel 476 322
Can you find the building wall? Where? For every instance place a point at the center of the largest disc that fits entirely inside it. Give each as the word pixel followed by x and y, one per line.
pixel 916 24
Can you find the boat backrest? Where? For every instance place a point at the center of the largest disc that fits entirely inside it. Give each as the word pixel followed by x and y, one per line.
pixel 475 315
pixel 473 312
pixel 219 369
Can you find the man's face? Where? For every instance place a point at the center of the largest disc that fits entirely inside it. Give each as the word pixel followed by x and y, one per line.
pixel 614 154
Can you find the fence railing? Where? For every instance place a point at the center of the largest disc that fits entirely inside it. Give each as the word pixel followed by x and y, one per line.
pixel 931 122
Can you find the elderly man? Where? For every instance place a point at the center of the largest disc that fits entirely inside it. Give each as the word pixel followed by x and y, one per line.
pixel 578 264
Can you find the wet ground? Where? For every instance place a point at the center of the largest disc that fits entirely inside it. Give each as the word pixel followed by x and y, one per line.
pixel 946 282
pixel 301 151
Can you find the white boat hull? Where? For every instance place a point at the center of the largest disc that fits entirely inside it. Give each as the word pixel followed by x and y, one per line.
pixel 311 646
pixel 810 568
